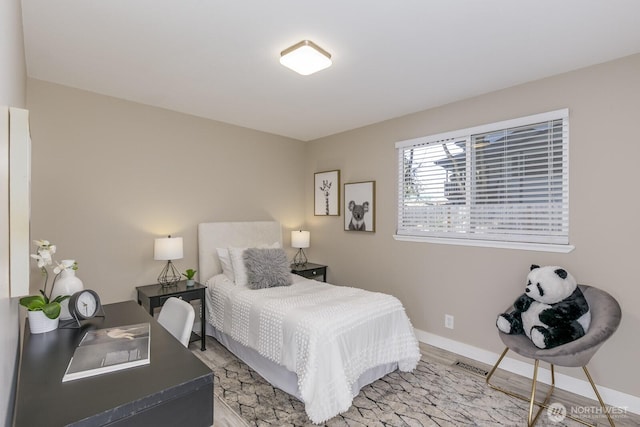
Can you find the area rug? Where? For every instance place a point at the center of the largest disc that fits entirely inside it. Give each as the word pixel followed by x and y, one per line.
pixel 434 394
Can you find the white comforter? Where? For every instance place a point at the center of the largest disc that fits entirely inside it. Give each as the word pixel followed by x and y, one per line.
pixel 328 335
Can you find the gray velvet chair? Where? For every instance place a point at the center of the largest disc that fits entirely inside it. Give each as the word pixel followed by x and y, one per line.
pixel 605 318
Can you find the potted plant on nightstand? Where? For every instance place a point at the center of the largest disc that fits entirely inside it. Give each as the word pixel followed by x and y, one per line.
pixel 44 313
pixel 189 274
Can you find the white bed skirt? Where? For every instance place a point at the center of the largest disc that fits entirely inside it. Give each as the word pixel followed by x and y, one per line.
pixel 281 377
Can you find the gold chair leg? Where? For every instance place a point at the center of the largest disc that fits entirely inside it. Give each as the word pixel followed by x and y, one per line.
pixel 534 381
pixel 531 420
pixel 504 353
pixel 545 404
pixel 593 385
pixel 500 389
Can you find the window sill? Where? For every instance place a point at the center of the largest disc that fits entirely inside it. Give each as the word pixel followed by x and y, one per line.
pixel 541 247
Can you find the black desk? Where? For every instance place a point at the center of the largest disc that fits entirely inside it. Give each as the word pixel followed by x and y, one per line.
pixel 175 389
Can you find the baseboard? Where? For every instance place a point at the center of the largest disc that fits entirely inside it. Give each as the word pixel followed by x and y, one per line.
pixel 580 387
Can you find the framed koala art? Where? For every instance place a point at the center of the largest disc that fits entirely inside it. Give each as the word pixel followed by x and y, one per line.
pixel 360 206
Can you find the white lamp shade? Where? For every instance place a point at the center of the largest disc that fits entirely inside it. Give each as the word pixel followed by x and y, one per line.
pixel 300 239
pixel 167 248
pixel 305 58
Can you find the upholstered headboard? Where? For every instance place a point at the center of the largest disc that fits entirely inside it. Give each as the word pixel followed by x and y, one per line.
pixel 212 235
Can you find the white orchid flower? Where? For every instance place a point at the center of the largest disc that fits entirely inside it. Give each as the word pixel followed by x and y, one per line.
pixel 64 265
pixel 43 258
pixel 45 245
pixel 45 255
pixel 59 268
pixel 39 260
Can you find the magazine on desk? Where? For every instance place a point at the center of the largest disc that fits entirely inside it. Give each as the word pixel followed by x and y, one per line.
pixel 109 350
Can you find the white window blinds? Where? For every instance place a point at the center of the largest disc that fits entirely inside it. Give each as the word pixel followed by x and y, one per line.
pixel 505 181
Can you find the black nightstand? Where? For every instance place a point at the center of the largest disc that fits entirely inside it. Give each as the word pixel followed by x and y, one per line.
pixel 153 296
pixel 311 271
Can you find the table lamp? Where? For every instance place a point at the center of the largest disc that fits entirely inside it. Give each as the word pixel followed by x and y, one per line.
pixel 300 239
pixel 167 249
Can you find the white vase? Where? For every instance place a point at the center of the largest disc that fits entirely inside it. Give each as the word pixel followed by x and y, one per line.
pixel 191 282
pixel 39 322
pixel 66 284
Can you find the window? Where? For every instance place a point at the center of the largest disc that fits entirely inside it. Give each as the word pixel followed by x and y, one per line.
pixel 505 182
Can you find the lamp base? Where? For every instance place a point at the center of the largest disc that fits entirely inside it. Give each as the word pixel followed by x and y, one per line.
pixel 300 259
pixel 169 275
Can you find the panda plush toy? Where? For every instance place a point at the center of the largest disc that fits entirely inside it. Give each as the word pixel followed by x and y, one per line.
pixel 552 311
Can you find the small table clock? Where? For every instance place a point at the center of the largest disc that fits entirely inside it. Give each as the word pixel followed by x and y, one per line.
pixel 84 305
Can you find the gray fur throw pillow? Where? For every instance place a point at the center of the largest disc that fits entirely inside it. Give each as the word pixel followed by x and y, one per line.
pixel 266 268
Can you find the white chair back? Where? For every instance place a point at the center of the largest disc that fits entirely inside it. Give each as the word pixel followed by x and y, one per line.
pixel 177 317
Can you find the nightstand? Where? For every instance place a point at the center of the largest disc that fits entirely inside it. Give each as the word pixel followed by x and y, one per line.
pixel 311 271
pixel 153 296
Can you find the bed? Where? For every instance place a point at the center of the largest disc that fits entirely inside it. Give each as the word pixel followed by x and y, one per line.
pixel 318 342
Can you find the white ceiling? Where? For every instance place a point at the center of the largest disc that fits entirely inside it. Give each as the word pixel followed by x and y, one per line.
pixel 219 59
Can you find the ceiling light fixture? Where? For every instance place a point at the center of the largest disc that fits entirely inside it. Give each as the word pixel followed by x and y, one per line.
pixel 305 58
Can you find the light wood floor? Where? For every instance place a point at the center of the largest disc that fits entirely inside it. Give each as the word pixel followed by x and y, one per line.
pixel 522 385
pixel 225 417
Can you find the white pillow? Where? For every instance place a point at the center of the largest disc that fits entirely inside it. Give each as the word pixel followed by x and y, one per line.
pixel 237 262
pixel 225 263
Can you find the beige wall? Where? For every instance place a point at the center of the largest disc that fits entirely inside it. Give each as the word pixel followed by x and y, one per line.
pixel 13 75
pixel 475 284
pixel 12 93
pixel 109 176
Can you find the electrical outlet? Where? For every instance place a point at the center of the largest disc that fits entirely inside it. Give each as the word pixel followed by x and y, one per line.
pixel 448 321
